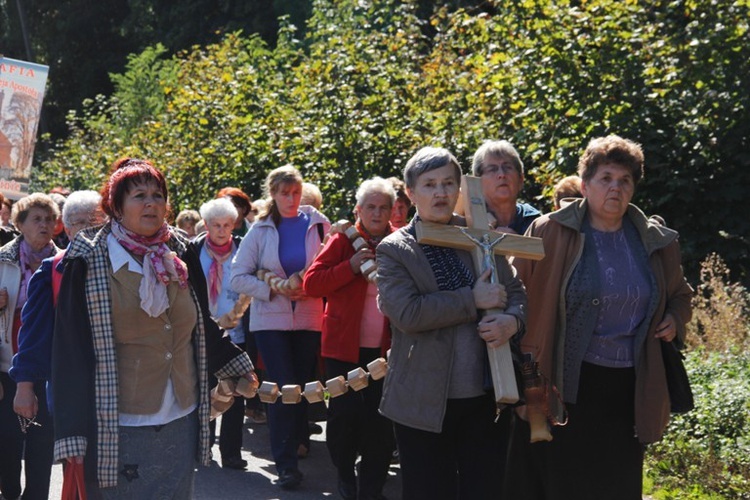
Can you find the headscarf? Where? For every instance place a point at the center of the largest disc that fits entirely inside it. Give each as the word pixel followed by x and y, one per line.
pixel 160 266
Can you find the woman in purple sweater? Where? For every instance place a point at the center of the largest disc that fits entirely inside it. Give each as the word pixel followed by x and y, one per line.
pixel 286 323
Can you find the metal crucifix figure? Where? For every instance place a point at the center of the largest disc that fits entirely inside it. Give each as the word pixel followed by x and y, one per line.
pixel 484 244
pixel 487 247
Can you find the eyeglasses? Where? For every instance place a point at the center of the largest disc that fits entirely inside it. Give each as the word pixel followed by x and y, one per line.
pixel 506 168
pixel 92 220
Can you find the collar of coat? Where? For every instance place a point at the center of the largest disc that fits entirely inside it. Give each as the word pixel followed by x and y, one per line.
pixel 653 233
pixel 11 252
pixel 86 242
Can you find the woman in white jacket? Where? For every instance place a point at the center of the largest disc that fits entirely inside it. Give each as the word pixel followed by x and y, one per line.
pixel 286 323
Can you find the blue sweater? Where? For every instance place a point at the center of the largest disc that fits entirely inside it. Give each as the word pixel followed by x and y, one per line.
pixel 525 215
pixel 32 362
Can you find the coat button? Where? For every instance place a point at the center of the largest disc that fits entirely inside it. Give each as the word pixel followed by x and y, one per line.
pixel 168 355
pixel 595 302
pixel 167 327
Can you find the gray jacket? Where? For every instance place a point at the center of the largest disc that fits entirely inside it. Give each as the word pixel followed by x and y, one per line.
pixel 424 323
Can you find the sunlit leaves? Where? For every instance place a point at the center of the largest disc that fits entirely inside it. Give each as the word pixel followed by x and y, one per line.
pixel 366 87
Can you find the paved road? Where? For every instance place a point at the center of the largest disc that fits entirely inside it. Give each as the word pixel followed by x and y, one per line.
pixel 256 483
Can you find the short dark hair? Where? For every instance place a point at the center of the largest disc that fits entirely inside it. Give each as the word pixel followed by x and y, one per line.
pixel 400 188
pixel 611 149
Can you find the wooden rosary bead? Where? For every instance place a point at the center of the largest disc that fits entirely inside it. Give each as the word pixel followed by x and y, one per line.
pixel 357 379
pixel 232 318
pixel 369 270
pixel 291 394
pixel 268 392
pixel 314 392
pixel 359 244
pixel 216 395
pixel 336 386
pixel 377 368
pixel 246 388
pixel 225 387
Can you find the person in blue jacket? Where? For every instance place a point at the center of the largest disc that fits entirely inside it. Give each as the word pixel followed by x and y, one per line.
pixel 31 364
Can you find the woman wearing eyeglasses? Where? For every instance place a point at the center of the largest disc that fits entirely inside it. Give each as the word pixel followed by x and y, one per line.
pixel 501 170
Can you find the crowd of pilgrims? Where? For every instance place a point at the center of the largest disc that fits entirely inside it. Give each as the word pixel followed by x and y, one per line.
pixel 110 341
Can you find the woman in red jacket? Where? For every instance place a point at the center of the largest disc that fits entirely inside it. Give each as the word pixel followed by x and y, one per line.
pixel 355 333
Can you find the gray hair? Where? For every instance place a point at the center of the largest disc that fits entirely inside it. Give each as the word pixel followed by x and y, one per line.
pixel 375 185
pixel 218 208
pixel 80 202
pixel 426 159
pixel 503 149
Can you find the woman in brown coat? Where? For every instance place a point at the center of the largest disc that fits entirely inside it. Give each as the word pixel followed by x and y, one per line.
pixel 608 293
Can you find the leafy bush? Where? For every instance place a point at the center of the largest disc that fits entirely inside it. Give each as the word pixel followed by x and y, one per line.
pixel 366 87
pixel 706 452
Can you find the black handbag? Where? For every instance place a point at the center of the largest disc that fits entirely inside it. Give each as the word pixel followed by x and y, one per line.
pixel 678 383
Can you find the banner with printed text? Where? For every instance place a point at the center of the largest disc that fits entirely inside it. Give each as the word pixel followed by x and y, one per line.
pixel 21 93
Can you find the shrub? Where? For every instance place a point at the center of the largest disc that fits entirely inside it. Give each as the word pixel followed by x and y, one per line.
pixel 706 453
pixel 720 310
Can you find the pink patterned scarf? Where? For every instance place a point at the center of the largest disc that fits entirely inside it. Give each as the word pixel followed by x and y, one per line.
pixel 160 266
pixel 219 254
pixel 30 261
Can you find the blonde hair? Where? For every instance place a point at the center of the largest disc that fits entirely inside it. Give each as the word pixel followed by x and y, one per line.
pixel 567 187
pixel 311 195
pixel 274 180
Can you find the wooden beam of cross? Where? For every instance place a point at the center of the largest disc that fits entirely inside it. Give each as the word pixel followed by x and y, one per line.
pixel 501 362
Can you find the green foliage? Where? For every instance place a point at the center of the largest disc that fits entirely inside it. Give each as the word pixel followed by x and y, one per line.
pixel 366 87
pixel 353 115
pixel 102 132
pixel 706 452
pixel 141 92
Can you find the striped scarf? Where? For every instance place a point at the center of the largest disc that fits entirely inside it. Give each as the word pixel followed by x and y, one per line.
pixel 449 270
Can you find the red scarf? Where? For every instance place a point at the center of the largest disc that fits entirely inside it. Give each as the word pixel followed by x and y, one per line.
pixel 219 254
pixel 370 239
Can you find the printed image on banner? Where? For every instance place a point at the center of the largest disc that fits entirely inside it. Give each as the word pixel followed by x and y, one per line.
pixel 21 93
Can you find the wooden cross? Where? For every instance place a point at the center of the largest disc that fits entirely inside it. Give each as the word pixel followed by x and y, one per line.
pixel 501 362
